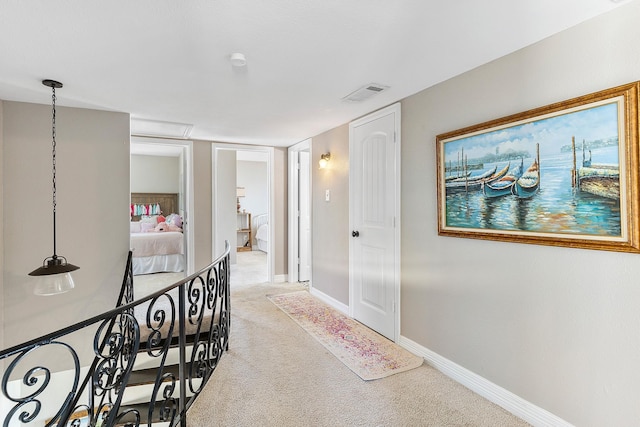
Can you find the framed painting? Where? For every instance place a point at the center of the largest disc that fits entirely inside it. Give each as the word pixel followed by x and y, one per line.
pixel 563 175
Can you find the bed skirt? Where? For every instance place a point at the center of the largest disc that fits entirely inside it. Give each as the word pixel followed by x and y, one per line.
pixel 158 264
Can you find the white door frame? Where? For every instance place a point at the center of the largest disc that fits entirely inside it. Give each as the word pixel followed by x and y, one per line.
pixel 395 108
pixel 187 153
pixel 294 184
pixel 216 147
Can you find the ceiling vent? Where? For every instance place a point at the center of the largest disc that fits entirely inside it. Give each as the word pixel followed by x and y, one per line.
pixel 143 127
pixel 365 92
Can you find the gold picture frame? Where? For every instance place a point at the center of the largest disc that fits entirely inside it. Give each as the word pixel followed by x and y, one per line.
pixel 562 175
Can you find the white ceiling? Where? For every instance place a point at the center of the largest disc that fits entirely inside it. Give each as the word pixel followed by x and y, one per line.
pixel 168 61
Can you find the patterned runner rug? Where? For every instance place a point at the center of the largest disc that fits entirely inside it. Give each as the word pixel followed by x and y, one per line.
pixel 365 352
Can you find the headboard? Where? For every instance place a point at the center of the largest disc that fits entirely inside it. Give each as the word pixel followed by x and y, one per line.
pixel 168 202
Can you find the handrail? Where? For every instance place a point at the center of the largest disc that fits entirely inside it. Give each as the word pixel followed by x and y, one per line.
pixel 148 324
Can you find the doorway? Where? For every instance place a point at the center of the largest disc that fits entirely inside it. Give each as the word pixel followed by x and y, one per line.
pixel 242 209
pixel 374 219
pixel 181 182
pixel 300 212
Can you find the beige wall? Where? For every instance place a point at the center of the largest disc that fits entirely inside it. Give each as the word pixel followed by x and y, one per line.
pixel 202 203
pixel 155 174
pixel 330 220
pixel 558 327
pixel 92 188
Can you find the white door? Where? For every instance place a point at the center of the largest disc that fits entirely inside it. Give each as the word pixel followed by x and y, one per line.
pixel 374 176
pixel 304 224
pixel 182 207
pixel 300 262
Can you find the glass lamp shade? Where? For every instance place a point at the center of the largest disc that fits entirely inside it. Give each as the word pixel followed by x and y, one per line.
pixel 324 160
pixel 53 284
pixel 54 277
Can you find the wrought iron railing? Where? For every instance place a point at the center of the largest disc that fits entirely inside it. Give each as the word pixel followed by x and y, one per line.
pixel 190 317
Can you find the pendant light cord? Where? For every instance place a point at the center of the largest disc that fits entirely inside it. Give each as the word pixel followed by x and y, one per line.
pixel 53 152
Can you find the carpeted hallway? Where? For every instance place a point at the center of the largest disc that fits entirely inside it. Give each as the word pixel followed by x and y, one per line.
pixel 275 374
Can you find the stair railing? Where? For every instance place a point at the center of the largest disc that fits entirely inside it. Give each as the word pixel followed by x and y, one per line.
pixel 193 313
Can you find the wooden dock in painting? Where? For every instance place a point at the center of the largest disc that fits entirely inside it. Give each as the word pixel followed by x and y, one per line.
pixel 599 179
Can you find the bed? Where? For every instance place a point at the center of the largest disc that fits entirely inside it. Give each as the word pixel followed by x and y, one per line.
pixel 261 227
pixel 156 238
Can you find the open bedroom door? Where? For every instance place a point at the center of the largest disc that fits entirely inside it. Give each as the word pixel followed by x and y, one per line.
pixel 225 199
pixel 300 212
pixel 186 206
pixel 176 153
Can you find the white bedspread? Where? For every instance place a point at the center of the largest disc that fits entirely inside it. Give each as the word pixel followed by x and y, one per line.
pixel 158 264
pixel 263 233
pixel 157 243
pixel 262 238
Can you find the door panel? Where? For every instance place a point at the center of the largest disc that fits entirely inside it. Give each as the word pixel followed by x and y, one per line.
pixel 372 209
pixel 373 290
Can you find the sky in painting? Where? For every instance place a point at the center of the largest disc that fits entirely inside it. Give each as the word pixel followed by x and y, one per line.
pixel 600 122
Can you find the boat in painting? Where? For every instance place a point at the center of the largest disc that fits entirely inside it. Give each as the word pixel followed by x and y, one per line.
pixel 502 186
pixel 529 183
pixel 453 177
pixel 473 183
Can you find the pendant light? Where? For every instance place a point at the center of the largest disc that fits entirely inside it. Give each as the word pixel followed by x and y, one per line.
pixel 54 277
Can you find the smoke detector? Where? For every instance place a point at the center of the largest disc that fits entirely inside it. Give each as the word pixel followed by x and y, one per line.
pixel 238 60
pixel 365 92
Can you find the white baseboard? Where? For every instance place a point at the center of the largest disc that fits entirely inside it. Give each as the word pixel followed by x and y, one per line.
pixel 519 407
pixel 280 278
pixel 343 308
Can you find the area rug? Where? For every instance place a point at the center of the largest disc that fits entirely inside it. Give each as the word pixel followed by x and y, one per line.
pixel 364 351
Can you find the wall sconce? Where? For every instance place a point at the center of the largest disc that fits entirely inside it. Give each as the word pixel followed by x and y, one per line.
pixel 55 273
pixel 324 160
pixel 240 192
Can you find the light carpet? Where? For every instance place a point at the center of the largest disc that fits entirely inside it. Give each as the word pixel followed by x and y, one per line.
pixel 276 375
pixel 367 353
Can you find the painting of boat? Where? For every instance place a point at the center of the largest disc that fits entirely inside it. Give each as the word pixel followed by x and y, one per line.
pixel 529 183
pixel 502 186
pixel 550 193
pixel 452 177
pixel 474 183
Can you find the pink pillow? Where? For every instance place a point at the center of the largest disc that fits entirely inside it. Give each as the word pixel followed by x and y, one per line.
pixel 145 227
